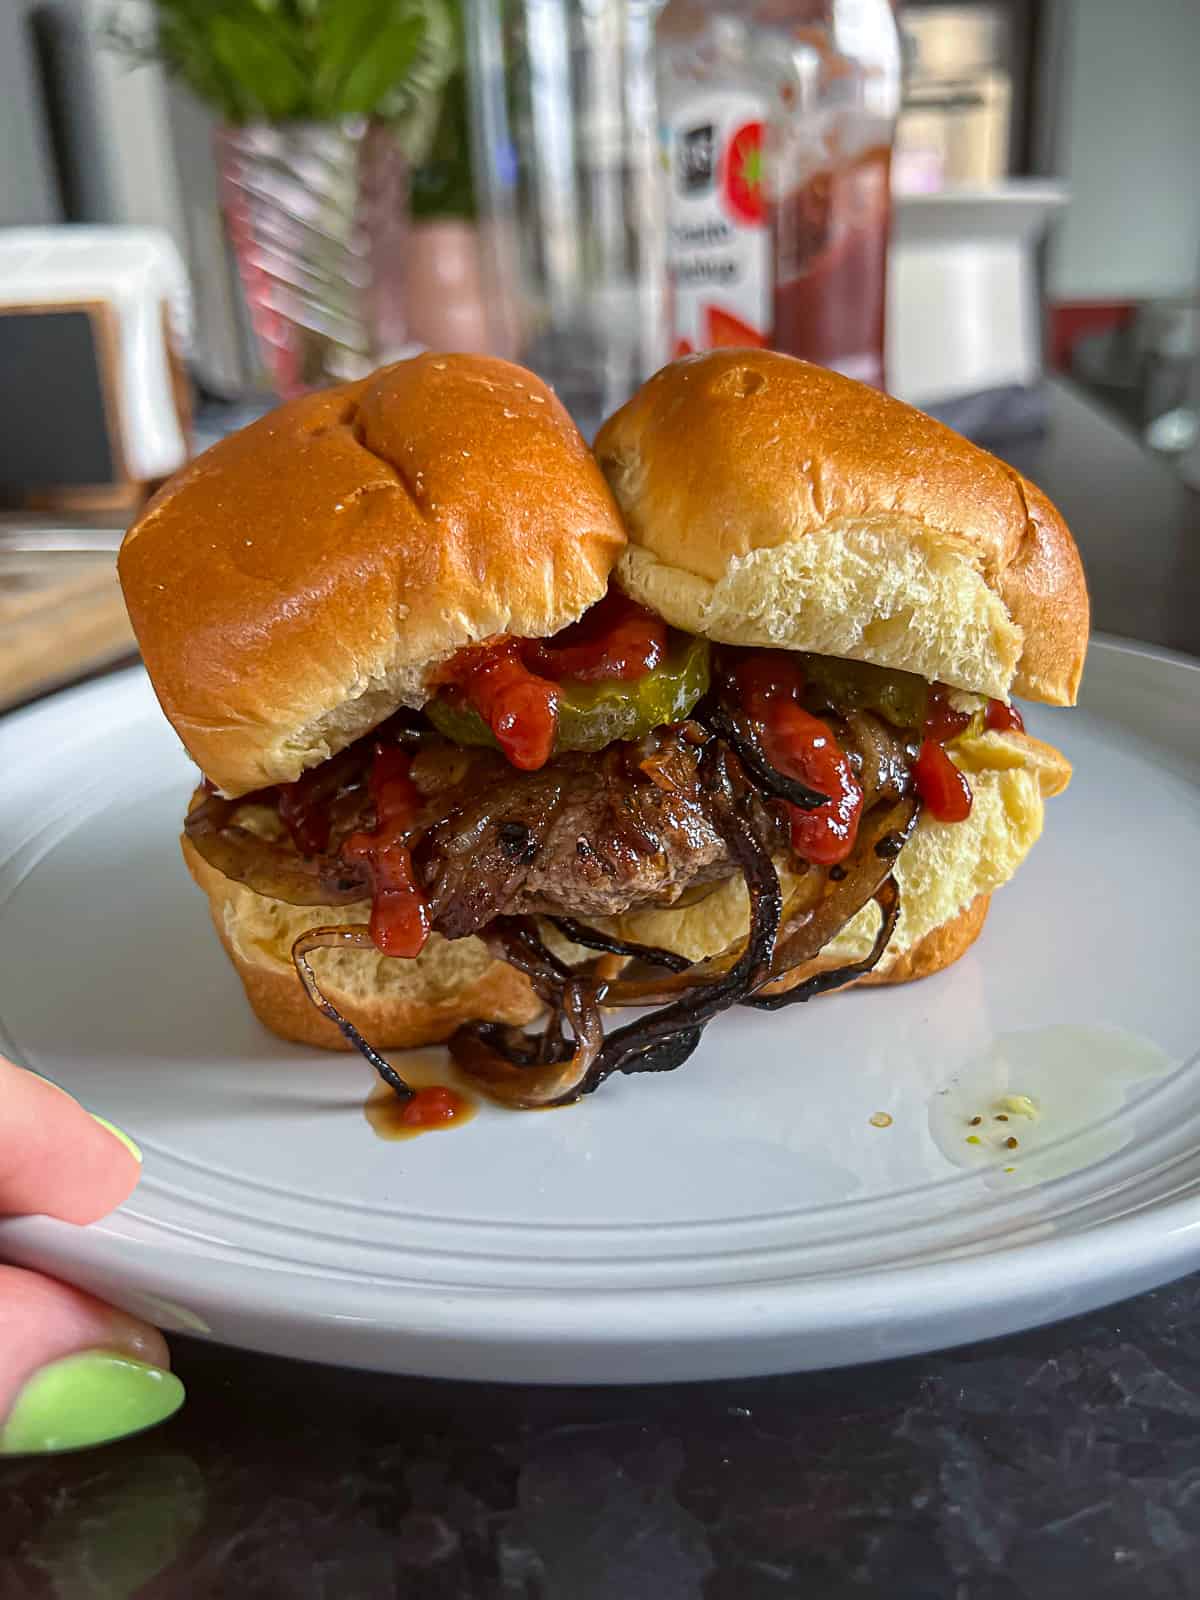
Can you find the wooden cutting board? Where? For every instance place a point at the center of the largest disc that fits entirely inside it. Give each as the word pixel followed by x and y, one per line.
pixel 61 616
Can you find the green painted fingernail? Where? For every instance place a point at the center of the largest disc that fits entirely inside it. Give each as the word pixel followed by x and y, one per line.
pixel 88 1399
pixel 117 1133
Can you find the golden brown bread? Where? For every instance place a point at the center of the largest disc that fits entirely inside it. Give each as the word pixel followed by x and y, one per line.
pixel 296 583
pixel 939 949
pixel 771 502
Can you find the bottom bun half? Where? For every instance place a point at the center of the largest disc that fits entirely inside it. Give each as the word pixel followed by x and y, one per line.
pixel 397 1005
pixel 939 949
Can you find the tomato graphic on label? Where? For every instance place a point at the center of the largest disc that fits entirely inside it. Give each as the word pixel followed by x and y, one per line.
pixel 743 175
pixel 724 331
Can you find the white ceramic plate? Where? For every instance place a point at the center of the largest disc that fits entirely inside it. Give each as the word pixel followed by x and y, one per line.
pixel 740 1216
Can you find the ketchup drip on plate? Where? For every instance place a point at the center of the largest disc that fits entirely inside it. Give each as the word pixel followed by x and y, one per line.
pixel 400 922
pixel 514 684
pixel 803 747
pixel 431 1107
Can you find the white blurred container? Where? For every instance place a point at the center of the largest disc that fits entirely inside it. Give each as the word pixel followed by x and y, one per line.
pixel 963 307
pixel 94 324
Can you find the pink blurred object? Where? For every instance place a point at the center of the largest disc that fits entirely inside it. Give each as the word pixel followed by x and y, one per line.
pixel 316 214
pixel 447 305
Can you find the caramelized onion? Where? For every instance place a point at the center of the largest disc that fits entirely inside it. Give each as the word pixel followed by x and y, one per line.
pixel 345 937
pixel 740 733
pixel 515 940
pixel 878 754
pixel 806 926
pixel 881 838
pixel 887 897
pixel 665 1039
pixel 728 778
pixel 515 1069
pixel 270 869
pixel 512 1066
pixel 591 939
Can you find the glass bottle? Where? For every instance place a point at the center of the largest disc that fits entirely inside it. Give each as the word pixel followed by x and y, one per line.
pixel 570 188
pixel 777 119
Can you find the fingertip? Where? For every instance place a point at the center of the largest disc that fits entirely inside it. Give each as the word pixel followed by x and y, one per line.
pixel 57 1159
pixel 43 1321
pixel 91 1398
pixel 120 1135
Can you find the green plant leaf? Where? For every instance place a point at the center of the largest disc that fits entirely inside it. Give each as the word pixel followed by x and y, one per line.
pixel 443 185
pixel 363 48
pixel 278 60
pixel 413 105
pixel 259 61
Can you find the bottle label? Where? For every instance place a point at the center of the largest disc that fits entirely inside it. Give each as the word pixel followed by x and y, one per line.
pixel 719 241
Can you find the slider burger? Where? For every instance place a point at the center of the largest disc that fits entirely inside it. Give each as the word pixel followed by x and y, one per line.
pixel 473 737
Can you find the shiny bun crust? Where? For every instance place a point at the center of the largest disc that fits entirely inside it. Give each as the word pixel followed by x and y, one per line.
pixel 297 582
pixel 770 502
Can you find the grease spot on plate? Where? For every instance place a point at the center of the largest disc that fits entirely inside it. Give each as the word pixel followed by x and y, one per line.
pixel 1044 1101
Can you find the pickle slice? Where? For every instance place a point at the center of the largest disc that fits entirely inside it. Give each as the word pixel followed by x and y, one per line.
pixel 898 697
pixel 593 715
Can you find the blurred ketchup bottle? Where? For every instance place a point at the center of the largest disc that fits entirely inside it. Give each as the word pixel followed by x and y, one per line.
pixel 776 120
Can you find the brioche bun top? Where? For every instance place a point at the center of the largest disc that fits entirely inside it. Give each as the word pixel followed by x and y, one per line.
pixel 297 583
pixel 771 502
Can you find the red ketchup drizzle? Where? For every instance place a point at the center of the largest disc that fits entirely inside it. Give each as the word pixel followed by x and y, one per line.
pixel 801 746
pixel 616 641
pixel 944 791
pixel 432 1105
pixel 519 707
pixel 1003 719
pixel 400 922
pixel 514 683
pixel 942 721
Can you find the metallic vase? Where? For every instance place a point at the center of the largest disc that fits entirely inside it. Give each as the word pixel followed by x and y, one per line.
pixel 317 216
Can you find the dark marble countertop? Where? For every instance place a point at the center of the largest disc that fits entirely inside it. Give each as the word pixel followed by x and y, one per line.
pixel 1059 1462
